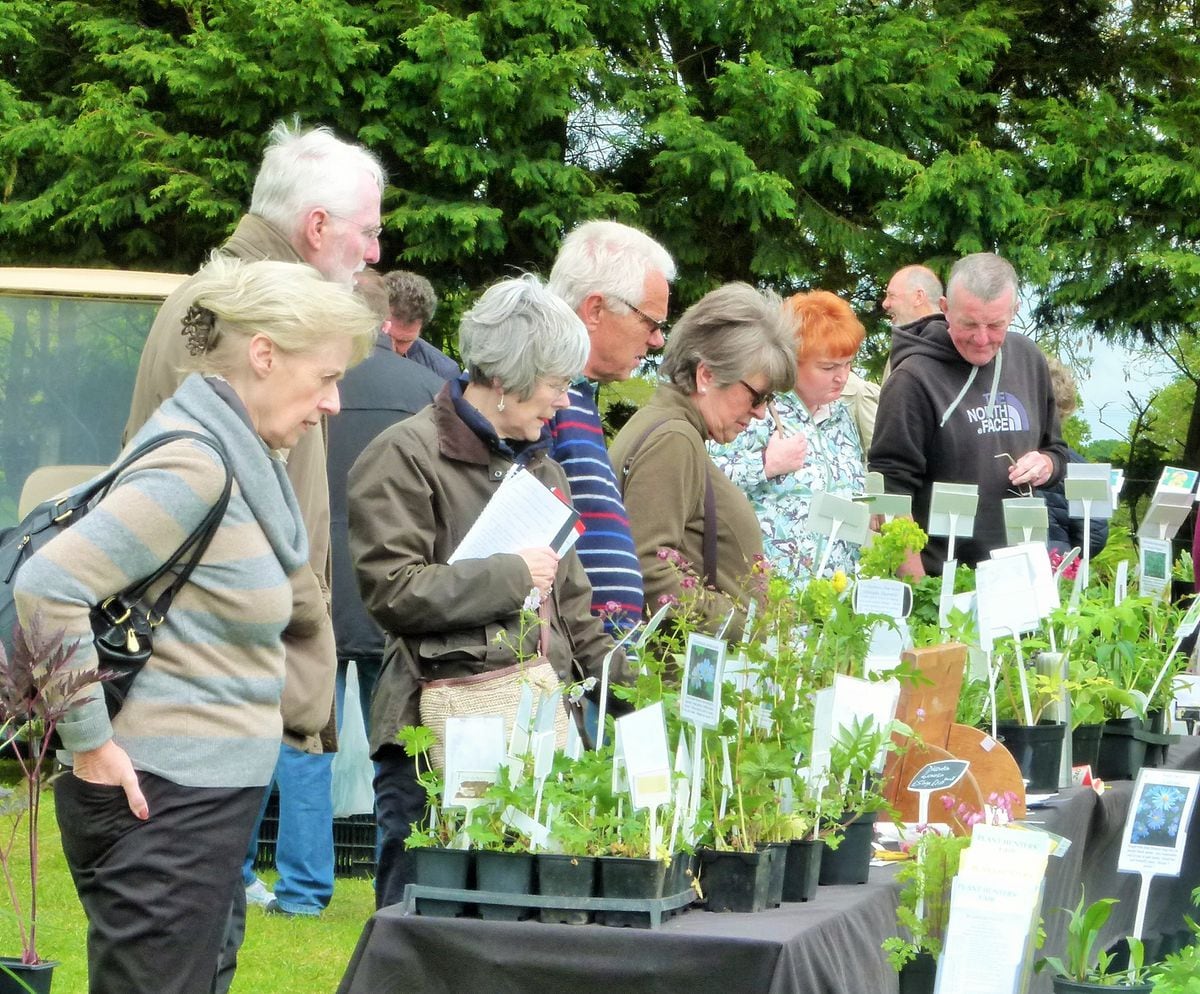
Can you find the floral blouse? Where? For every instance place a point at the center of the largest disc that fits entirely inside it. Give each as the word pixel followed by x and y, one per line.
pixel 834 463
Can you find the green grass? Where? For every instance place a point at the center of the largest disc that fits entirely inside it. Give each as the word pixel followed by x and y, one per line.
pixel 280 955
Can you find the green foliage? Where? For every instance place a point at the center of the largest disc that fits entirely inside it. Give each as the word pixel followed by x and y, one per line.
pixel 924 909
pixel 1083 932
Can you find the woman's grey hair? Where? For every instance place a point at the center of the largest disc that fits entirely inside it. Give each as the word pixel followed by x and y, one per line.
pixel 518 331
pixel 289 302
pixel 410 297
pixel 303 169
pixel 983 275
pixel 610 258
pixel 736 331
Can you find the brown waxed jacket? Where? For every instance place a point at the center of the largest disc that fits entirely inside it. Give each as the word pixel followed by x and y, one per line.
pixel 311 656
pixel 414 493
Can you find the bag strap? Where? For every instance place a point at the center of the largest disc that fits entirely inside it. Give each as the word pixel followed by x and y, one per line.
pixel 198 540
pixel 708 544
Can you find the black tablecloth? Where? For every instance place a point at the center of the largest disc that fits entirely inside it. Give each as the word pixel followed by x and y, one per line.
pixel 828 946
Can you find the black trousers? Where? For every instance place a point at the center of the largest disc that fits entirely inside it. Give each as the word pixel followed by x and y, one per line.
pixel 399 801
pixel 157 893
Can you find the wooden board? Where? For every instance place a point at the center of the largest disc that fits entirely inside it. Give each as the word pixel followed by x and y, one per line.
pixel 992 765
pixel 908 803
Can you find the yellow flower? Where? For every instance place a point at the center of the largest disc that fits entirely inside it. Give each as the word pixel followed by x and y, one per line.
pixel 840 581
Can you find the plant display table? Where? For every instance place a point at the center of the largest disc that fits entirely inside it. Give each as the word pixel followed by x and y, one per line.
pixel 830 945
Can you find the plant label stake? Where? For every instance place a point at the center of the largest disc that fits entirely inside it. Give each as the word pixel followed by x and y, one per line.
pixel 607 665
pixel 952 512
pixel 834 517
pixel 938 776
pixel 1156 830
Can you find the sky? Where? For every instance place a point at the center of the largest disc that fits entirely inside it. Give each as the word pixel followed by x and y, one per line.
pixel 1116 372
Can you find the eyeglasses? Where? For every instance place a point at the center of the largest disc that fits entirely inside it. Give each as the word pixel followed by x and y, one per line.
pixel 659 326
pixel 371 234
pixel 758 399
pixel 559 389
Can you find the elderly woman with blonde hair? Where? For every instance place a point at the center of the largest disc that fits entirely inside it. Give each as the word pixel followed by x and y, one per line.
pixel 158 803
pixel 726 358
pixel 808 445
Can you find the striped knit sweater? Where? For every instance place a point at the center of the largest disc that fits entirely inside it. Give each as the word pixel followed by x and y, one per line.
pixel 205 710
pixel 606 547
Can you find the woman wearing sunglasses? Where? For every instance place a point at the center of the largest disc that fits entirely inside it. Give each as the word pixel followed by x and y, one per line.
pixel 726 358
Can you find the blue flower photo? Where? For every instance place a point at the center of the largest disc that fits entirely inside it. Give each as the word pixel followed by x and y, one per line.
pixel 1156 820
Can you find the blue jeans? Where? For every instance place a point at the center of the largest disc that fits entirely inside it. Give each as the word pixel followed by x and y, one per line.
pixel 304 848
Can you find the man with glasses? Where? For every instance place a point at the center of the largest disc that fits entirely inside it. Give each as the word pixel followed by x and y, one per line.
pixel 616 279
pixel 316 199
pixel 968 403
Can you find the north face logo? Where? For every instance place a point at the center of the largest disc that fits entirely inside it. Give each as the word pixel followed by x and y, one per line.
pixel 1007 414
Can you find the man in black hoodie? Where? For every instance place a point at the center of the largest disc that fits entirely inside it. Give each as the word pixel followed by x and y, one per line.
pixel 967 403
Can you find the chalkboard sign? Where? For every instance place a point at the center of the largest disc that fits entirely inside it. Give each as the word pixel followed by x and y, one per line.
pixel 940 775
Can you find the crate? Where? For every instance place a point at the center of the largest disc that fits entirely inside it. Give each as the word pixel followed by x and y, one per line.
pixel 353 842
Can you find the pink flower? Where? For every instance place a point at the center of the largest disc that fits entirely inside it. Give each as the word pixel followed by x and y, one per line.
pixel 920 714
pixel 668 599
pixel 688 582
pixel 947 802
pixel 612 607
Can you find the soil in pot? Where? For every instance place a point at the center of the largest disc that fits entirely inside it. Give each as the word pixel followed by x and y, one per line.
pixel 918 974
pixel 735 881
pixel 565 876
pixel 442 868
pixel 1122 754
pixel 850 862
pixel 1085 745
pixel 25 979
pixel 629 877
pixel 1037 750
pixel 802 869
pixel 508 873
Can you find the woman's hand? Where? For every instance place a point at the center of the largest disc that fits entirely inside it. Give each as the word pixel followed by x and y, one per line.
pixel 784 454
pixel 543 566
pixel 110 765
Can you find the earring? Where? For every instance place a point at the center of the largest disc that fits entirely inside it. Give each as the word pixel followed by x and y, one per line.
pixel 500 405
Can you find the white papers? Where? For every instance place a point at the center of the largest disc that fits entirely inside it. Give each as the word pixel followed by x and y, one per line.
pixel 1154 558
pixel 1041 574
pixel 838 706
pixel 522 514
pixel 995 901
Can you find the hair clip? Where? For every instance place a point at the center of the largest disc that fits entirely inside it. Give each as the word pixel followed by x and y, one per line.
pixel 198 324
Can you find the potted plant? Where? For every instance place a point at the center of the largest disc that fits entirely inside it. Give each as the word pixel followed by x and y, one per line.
pixel 441 858
pixel 38 688
pixel 1076 972
pixel 1035 744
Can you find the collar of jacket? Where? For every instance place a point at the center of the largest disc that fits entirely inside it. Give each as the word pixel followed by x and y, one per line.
pixel 670 398
pixel 255 239
pixel 467 436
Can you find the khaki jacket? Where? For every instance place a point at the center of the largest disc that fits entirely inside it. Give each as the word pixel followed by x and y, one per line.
pixel 311 658
pixel 862 397
pixel 413 494
pixel 662 482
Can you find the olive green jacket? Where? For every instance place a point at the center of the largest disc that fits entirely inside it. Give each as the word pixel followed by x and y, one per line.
pixel 662 479
pixel 414 493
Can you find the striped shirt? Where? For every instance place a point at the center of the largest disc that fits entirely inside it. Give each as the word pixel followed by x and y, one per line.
pixel 606 547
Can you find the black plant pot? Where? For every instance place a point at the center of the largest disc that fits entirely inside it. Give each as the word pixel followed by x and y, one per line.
pixel 507 873
pixel 1064 986
pixel 1085 745
pixel 442 868
pixel 850 862
pixel 918 974
pixel 629 877
pixel 802 869
pixel 680 874
pixel 21 978
pixel 1037 750
pixel 1122 753
pixel 735 881
pixel 565 876
pixel 778 851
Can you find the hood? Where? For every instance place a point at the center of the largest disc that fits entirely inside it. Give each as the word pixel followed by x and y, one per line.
pixel 930 337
